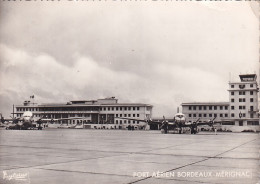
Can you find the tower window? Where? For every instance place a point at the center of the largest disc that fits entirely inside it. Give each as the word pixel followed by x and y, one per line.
pixel 242 86
pixel 242 92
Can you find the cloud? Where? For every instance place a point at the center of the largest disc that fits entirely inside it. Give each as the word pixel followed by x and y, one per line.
pixel 139 52
pixel 51 81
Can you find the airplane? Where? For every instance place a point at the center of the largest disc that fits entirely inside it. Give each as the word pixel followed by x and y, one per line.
pixel 178 122
pixel 28 121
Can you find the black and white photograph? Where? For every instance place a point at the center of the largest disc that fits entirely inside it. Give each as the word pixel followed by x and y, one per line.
pixel 129 91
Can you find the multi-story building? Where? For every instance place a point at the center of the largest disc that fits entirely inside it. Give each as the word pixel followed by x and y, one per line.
pixel 243 98
pixel 101 113
pixel 205 111
pixel 240 113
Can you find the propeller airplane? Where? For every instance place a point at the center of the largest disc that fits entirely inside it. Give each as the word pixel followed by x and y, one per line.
pixel 177 123
pixel 28 121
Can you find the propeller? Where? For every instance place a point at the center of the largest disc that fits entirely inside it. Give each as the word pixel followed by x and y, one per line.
pixel 2 119
pixel 194 126
pixel 15 120
pixel 211 122
pixel 195 123
pixel 164 125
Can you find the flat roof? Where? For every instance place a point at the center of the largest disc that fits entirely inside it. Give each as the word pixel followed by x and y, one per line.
pixel 243 82
pixel 205 103
pixel 82 105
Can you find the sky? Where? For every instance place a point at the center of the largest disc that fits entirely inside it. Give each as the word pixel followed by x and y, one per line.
pixel 162 53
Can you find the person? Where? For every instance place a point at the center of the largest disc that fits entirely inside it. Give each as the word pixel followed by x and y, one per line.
pixel 165 128
pixel 2 119
pixel 215 129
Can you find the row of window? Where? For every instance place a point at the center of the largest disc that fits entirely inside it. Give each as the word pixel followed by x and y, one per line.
pixel 242 107
pixel 220 115
pixel 111 122
pixel 240 115
pixel 127 115
pixel 21 109
pixel 208 107
pixel 242 100
pixel 242 86
pixel 27 109
pixel 251 123
pixel 120 108
pixel 126 122
pixel 81 109
pixel 242 93
pixel 254 123
pixel 208 115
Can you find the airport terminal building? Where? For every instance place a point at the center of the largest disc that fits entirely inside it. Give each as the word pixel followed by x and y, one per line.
pixel 240 113
pixel 101 113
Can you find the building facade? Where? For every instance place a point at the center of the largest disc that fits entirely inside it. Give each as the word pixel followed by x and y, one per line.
pixel 101 113
pixel 206 111
pixel 240 113
pixel 243 98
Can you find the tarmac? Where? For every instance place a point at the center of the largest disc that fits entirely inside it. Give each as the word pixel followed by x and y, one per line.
pixel 66 156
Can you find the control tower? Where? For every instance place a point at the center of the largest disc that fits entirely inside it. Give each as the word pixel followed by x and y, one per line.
pixel 243 98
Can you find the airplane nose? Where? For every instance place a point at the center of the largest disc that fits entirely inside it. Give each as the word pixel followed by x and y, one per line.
pixel 26 119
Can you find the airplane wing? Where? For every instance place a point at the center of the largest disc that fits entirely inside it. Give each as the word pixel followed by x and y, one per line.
pixel 209 123
pixel 60 119
pixel 195 123
pixel 142 120
pixel 13 120
pixel 163 124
